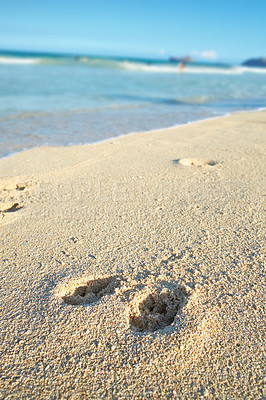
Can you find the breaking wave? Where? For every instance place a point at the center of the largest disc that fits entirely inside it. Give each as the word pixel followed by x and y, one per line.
pixel 147 66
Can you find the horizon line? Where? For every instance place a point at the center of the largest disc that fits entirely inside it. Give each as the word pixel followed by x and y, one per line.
pixel 113 55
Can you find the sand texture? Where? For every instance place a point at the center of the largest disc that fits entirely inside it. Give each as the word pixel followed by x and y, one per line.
pixel 133 268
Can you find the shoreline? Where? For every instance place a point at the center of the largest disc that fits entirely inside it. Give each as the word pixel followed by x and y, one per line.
pixel 133 268
pixel 136 132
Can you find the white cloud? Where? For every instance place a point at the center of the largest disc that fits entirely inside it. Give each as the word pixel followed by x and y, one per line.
pixel 161 52
pixel 207 54
pixel 211 54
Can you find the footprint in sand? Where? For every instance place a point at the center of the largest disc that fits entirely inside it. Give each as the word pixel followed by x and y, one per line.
pixel 195 162
pixel 85 290
pixel 9 186
pixel 9 200
pixel 21 186
pixel 155 307
pixel 10 207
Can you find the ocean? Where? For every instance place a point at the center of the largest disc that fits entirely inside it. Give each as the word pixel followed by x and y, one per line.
pixel 62 100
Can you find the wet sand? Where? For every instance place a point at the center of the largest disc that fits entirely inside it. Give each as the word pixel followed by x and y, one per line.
pixel 133 268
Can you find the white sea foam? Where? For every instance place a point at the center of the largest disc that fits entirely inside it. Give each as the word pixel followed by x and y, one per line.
pixel 19 60
pixel 253 69
pixel 236 70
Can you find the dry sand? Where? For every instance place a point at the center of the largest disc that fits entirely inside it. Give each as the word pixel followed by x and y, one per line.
pixel 133 268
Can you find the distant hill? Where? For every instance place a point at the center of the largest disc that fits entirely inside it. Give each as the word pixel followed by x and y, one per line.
pixel 255 62
pixel 181 59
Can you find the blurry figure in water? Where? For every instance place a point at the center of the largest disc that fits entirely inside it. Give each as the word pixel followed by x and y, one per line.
pixel 181 66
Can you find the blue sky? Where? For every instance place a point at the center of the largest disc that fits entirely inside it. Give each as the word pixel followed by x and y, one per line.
pixel 217 30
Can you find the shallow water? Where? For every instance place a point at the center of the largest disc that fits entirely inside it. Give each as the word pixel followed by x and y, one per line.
pixel 63 100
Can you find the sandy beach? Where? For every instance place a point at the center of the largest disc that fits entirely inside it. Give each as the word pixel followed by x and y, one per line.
pixel 133 268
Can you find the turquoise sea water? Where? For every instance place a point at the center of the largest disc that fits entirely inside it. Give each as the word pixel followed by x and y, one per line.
pixel 61 100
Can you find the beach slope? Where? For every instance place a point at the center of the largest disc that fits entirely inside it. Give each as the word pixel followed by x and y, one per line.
pixel 133 268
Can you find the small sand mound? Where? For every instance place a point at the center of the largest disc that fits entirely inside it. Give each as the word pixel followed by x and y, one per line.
pixel 156 308
pixel 196 162
pixel 85 291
